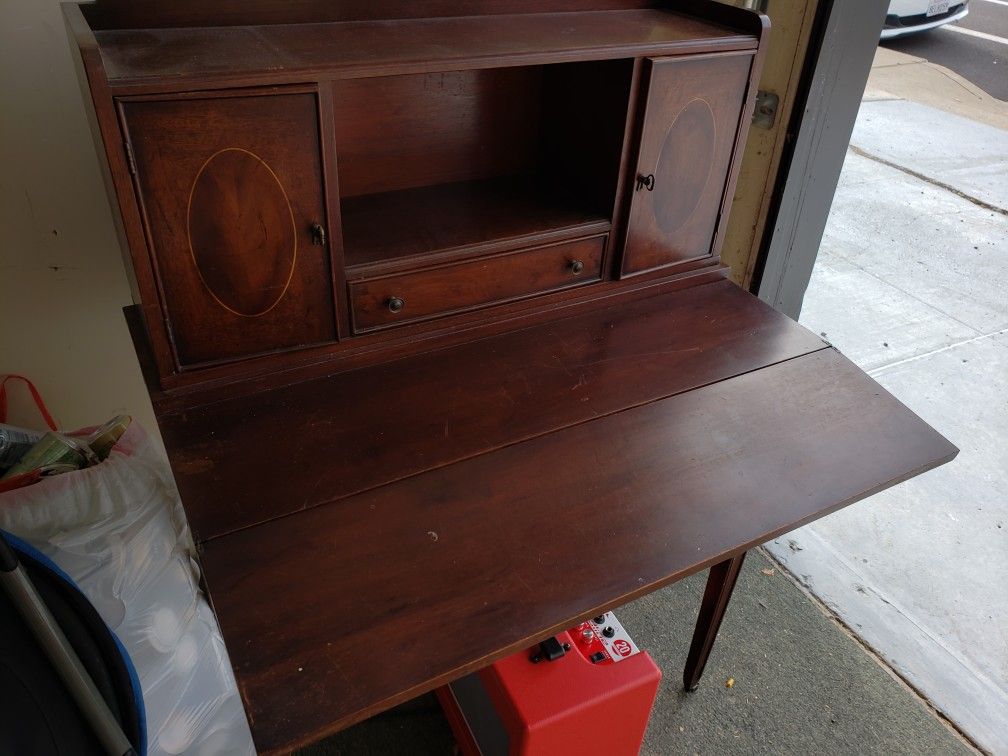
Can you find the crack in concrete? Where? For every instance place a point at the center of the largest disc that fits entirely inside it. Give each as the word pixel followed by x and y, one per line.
pixel 875 372
pixel 930 180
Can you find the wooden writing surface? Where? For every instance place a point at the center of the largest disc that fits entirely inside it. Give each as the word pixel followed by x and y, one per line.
pixel 354 606
pixel 324 439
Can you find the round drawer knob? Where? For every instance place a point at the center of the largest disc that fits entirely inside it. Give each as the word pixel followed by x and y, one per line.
pixel 576 266
pixel 395 304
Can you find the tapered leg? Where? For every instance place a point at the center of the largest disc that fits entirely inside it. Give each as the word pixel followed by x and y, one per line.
pixel 720 584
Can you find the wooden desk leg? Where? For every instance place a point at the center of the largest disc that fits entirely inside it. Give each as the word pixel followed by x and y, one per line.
pixel 720 584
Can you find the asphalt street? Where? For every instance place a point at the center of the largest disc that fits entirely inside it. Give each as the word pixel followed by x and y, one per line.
pixel 981 59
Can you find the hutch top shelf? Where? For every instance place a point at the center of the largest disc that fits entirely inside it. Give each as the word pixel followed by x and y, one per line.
pixel 284 52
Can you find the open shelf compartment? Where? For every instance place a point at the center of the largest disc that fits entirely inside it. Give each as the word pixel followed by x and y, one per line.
pixel 460 163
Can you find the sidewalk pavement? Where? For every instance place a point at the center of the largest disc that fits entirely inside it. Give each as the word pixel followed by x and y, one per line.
pixel 911 283
pixel 895 75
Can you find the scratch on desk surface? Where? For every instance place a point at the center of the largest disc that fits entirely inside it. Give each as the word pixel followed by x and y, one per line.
pixel 641 355
pixel 351 690
pixel 448 414
pixel 521 579
pixel 506 393
pixel 311 493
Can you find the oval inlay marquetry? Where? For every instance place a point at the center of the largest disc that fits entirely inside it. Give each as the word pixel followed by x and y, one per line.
pixel 684 165
pixel 241 232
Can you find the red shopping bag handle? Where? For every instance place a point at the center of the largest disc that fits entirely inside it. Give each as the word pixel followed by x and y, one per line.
pixel 20 481
pixel 35 395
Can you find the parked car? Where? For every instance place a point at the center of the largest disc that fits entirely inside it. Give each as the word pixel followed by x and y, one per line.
pixel 911 16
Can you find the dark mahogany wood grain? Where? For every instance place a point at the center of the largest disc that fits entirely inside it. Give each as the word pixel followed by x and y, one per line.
pixel 690 125
pixel 429 163
pixel 429 225
pixel 349 432
pixel 215 383
pixel 350 608
pixel 401 132
pixel 438 291
pixel 581 153
pixel 143 14
pixel 331 188
pixel 295 52
pixel 717 594
pixel 242 237
pixel 230 188
pixel 538 97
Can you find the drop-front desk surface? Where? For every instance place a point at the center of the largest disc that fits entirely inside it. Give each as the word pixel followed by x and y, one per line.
pixel 345 520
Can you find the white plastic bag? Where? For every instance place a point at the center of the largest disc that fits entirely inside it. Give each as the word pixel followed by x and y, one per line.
pixel 119 531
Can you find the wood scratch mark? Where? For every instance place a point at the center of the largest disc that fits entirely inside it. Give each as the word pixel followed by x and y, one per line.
pixel 524 582
pixel 505 393
pixel 639 356
pixel 311 493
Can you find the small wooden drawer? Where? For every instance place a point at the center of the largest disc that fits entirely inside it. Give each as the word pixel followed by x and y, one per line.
pixel 456 287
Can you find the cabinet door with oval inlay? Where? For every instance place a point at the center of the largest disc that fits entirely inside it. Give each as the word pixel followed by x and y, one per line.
pixel 691 120
pixel 231 191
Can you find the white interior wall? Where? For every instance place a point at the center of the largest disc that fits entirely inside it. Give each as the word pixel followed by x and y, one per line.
pixel 62 280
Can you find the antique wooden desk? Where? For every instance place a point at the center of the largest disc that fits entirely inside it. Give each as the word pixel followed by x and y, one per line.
pixel 431 312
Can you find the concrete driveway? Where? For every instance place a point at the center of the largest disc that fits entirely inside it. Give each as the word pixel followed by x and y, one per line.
pixel 911 283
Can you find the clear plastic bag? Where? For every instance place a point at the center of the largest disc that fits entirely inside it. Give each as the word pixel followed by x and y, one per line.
pixel 119 531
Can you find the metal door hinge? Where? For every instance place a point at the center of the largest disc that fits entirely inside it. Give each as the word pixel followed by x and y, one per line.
pixel 766 109
pixel 130 160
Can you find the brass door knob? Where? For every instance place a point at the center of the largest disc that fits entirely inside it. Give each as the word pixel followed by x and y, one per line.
pixel 576 266
pixel 395 304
